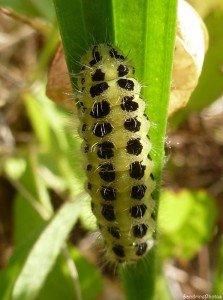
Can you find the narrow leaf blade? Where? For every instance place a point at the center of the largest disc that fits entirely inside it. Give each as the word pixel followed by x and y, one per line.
pixel 44 253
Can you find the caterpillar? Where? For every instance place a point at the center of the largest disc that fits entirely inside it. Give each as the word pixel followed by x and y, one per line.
pixel 116 149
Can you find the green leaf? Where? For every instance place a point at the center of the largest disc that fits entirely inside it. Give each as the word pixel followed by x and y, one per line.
pixel 88 283
pixel 139 279
pixel 211 82
pixel 162 288
pixel 81 22
pixel 34 185
pixel 146 33
pixel 59 284
pixel 152 31
pixel 32 199
pixel 56 139
pixel 23 211
pixel 186 222
pixel 9 274
pixel 15 167
pixel 218 272
pixel 44 253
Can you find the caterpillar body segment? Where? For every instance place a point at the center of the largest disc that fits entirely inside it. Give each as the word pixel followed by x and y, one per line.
pixel 116 153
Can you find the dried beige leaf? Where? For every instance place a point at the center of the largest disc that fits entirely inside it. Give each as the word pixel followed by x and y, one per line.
pixel 190 47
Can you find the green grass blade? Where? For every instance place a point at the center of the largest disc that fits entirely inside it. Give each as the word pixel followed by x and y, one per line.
pixel 81 22
pixel 149 40
pixel 159 36
pixel 144 29
pixel 44 253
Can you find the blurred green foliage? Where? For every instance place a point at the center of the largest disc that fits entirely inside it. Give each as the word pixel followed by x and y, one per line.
pixel 186 222
pixel 37 8
pixel 52 161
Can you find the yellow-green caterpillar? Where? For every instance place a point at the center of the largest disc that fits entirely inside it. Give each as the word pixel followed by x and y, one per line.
pixel 116 149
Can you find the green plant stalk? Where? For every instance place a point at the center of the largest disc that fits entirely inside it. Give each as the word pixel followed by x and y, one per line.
pixel 158 60
pixel 81 23
pixel 144 29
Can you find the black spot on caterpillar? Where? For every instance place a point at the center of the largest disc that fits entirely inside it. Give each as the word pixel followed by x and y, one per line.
pixel 116 148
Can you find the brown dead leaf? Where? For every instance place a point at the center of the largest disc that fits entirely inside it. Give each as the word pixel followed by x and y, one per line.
pixel 58 86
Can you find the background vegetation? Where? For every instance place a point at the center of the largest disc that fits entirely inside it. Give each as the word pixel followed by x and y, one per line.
pixel 41 170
